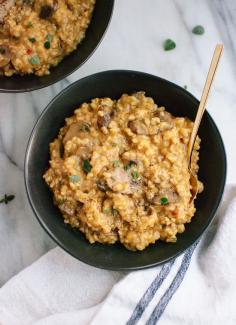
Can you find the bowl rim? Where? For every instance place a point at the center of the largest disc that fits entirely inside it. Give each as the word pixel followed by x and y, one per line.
pixel 57 240
pixel 67 74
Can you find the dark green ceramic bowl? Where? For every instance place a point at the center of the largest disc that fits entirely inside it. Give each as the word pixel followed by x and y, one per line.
pixel 113 84
pixel 94 34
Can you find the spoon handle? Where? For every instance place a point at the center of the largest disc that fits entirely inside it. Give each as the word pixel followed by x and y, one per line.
pixel 206 90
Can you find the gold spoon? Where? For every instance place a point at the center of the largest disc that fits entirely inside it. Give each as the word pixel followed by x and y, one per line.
pixel 201 109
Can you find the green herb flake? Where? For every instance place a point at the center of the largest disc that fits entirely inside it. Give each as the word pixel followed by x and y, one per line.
pixel 106 211
pixel 30 24
pixel 114 212
pixel 130 164
pixel 173 239
pixel 164 201
pixel 116 163
pixel 185 87
pixel 49 37
pixel 32 39
pixel 169 45
pixel 198 30
pixel 7 198
pixel 74 179
pixel 34 60
pixel 135 175
pixel 47 45
pixel 86 166
pixel 114 145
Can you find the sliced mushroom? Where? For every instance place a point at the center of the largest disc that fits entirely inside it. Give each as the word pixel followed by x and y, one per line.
pixel 4 55
pixel 138 127
pixel 102 186
pixel 168 193
pixel 47 11
pixel 67 208
pixel 75 130
pixel 118 176
pixel 171 195
pixel 104 120
pixel 70 208
pixel 165 117
pixel 5 6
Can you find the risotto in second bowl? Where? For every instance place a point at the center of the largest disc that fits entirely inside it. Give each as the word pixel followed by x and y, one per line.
pixel 36 35
pixel 119 171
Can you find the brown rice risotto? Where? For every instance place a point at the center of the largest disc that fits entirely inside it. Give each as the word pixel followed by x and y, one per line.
pixel 119 171
pixel 37 34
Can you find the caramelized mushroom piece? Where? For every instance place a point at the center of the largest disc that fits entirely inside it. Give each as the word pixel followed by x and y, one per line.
pixel 67 208
pixel 75 130
pixel 138 127
pixel 117 176
pixel 48 10
pixel 5 6
pixel 120 176
pixel 165 117
pixel 104 120
pixel 102 186
pixel 4 55
pixel 171 195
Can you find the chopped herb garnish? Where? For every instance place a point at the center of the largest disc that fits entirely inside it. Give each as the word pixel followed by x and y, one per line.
pixel 47 45
pixel 106 211
pixel 135 175
pixel 130 164
pixel 198 30
pixel 185 87
pixel 32 39
pixel 169 45
pixel 74 178
pixel 173 239
pixel 114 145
pixel 164 201
pixel 49 37
pixel 34 60
pixel 114 212
pixel 86 166
pixel 30 24
pixel 116 163
pixel 7 198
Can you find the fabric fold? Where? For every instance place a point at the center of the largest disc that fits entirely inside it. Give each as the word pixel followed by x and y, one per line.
pixel 198 287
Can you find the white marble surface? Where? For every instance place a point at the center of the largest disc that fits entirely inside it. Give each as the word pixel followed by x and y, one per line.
pixel 133 41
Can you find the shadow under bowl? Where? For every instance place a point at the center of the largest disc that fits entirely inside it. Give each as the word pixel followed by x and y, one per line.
pixel 113 84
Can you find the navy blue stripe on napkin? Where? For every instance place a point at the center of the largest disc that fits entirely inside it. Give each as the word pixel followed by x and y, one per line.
pixel 160 307
pixel 150 293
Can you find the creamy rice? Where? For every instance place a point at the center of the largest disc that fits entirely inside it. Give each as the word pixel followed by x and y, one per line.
pixel 119 171
pixel 37 34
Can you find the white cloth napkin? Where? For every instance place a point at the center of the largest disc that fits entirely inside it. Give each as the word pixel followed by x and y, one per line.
pixel 198 287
